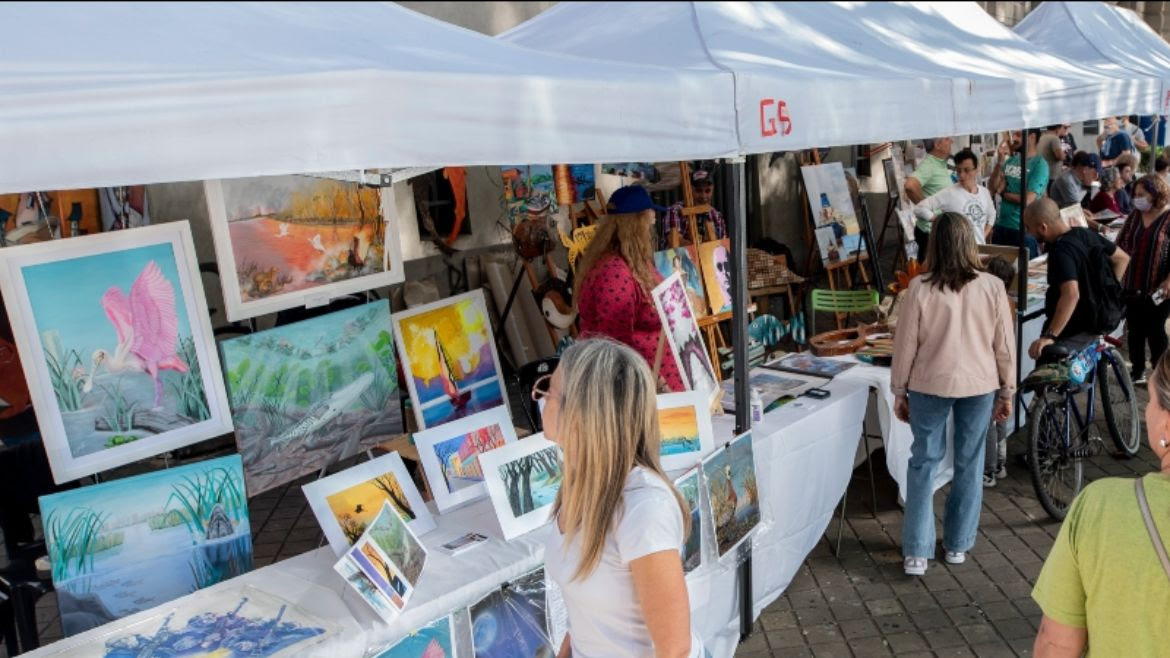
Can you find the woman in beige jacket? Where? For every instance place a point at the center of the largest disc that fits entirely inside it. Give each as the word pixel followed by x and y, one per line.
pixel 954 351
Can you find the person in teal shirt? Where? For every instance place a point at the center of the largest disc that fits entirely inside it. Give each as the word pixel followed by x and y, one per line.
pixel 1005 180
pixel 931 176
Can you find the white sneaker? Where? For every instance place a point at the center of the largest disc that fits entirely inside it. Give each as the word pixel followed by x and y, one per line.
pixel 914 566
pixel 988 480
pixel 956 557
pixel 1001 472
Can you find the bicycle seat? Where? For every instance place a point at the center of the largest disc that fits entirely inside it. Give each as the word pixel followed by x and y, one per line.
pixel 1066 347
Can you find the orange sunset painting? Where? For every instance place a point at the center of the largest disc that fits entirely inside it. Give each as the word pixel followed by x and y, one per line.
pixel 679 427
pixel 356 508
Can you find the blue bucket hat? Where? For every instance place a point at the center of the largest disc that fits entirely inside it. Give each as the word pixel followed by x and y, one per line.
pixel 631 199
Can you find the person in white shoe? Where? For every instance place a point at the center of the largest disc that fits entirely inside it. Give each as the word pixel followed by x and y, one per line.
pixel 954 351
pixel 616 551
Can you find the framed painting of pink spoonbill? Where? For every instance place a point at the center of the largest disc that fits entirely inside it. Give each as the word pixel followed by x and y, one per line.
pixel 287 241
pixel 116 346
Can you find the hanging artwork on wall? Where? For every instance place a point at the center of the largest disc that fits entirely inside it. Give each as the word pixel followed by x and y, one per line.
pixel 31 217
pixel 435 640
pixel 286 241
pixel 523 479
pixel 688 486
pixel 450 455
pixel 730 474
pixel 127 545
pixel 346 503
pixel 449 359
pixel 123 207
pixel 574 183
pixel 525 187
pixel 309 394
pixel 716 259
pixel 837 229
pixel 513 620
pixel 684 422
pixel 685 261
pixel 116 345
pixel 684 339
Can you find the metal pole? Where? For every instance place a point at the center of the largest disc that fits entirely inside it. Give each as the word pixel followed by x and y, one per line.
pixel 1022 276
pixel 739 342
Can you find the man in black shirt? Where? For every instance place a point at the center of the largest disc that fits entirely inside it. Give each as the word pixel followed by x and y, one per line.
pixel 1069 313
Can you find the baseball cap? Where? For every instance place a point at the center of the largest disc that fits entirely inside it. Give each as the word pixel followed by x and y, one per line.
pixel 631 199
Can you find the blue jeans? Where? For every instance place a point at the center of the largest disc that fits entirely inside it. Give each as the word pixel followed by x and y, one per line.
pixel 1010 237
pixel 928 421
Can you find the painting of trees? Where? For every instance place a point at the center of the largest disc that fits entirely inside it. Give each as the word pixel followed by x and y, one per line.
pixel 388 485
pixel 528 479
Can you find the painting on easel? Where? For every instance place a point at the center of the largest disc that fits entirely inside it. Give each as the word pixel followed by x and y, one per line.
pixel 684 338
pixel 837 229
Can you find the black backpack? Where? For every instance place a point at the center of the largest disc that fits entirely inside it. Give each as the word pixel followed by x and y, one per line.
pixel 1105 293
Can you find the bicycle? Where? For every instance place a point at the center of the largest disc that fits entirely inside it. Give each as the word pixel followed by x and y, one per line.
pixel 1055 450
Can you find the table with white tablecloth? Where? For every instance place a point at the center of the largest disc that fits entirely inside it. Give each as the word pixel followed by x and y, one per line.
pixel 804 458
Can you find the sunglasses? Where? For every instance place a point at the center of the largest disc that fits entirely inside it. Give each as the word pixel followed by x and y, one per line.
pixel 540 388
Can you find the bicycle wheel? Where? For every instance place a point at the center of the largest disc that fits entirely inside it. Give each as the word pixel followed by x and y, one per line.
pixel 1057 475
pixel 1119 402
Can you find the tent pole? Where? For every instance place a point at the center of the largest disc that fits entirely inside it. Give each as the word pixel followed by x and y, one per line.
pixel 739 342
pixel 1022 275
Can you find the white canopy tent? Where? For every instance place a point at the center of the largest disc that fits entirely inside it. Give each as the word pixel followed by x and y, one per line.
pixel 847 72
pixel 1100 35
pixel 130 93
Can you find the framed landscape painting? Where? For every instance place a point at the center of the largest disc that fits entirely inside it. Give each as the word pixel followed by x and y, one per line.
pixel 730 474
pixel 523 479
pixel 450 455
pixel 286 241
pixel 449 359
pixel 116 346
pixel 684 423
pixel 346 503
pixel 309 394
pixel 689 486
pixel 684 338
pixel 128 545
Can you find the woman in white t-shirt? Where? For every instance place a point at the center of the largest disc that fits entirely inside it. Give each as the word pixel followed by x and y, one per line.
pixel 967 197
pixel 616 554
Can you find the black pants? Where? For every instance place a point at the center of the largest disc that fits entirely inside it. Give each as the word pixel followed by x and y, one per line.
pixel 1145 323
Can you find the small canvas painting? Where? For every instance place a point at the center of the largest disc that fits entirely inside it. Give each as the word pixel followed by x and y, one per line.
pixel 309 394
pixel 832 209
pixel 449 359
pixel 365 586
pixel 688 486
pixel 450 455
pixel 685 261
pixel 684 338
pixel 127 545
pixel 513 621
pixel 525 187
pixel 284 241
pixel 435 640
pixel 716 259
pixel 684 423
pixel 390 532
pixel 523 479
pixel 116 345
pixel 730 474
pixel 574 183
pixel 346 503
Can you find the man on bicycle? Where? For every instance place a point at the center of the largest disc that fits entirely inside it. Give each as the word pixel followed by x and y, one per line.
pixel 1069 311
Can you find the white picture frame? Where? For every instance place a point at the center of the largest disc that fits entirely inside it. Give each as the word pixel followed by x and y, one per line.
pixel 486 393
pixel 318 493
pixel 66 462
pixel 429 442
pixel 683 336
pixel 689 456
pixel 514 522
pixel 236 308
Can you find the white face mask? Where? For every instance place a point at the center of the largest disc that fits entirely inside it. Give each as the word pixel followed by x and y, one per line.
pixel 1142 203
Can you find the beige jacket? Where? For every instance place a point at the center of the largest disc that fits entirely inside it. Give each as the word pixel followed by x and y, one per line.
pixel 955 344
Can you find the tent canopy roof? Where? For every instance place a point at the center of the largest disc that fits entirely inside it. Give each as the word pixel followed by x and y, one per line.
pixel 125 93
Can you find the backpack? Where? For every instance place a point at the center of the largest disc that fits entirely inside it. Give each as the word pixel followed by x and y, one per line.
pixel 1104 294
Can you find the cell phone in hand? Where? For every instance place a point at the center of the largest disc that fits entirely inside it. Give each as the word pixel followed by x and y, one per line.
pixel 1158 297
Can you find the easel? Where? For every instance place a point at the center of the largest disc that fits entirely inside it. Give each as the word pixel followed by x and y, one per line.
pixel 893 200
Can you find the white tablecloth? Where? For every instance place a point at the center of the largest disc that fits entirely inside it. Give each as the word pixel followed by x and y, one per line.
pixel 804 457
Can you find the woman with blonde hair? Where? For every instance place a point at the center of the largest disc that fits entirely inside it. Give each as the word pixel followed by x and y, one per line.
pixel 954 350
pixel 616 275
pixel 620 523
pixel 1103 586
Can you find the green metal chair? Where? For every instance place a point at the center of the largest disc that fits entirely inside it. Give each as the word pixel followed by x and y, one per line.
pixel 840 301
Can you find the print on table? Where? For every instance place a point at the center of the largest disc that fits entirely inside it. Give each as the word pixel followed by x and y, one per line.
pixel 365 587
pixel 523 479
pixel 435 640
pixel 684 424
pixel 391 534
pixel 807 364
pixel 449 359
pixel 127 545
pixel 450 455
pixel 771 385
pixel 832 209
pixel 512 621
pixel 688 486
pixel 716 259
pixel 684 260
pixel 730 474
pixel 307 395
pixel 682 333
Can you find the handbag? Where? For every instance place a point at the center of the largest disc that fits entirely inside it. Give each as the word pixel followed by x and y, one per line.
pixel 1160 548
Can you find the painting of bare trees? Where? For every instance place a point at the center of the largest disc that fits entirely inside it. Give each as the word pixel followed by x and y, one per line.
pixel 523 479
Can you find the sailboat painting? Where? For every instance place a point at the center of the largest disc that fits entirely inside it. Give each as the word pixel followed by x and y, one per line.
pixel 449 358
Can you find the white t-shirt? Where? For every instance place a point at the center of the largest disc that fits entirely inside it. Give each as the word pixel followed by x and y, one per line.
pixel 977 207
pixel 605 618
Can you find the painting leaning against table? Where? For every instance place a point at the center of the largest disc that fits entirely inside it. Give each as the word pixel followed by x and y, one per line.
pixel 127 545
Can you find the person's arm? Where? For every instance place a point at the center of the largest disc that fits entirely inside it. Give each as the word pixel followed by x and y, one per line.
pixel 566 650
pixel 905 349
pixel 1070 294
pixel 662 593
pixel 1055 640
pixel 1100 141
pixel 913 189
pixel 1055 150
pixel 997 182
pixel 930 207
pixel 1037 181
pixel 1120 261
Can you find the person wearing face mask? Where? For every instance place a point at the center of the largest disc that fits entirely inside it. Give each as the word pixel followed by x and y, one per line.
pixel 1146 236
pixel 967 197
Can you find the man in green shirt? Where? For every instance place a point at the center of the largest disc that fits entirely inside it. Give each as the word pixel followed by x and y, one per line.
pixel 1005 180
pixel 932 175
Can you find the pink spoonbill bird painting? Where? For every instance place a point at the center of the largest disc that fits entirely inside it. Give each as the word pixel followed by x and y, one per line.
pixel 116 345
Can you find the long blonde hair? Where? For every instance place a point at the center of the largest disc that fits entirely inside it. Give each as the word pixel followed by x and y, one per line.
pixel 627 235
pixel 607 425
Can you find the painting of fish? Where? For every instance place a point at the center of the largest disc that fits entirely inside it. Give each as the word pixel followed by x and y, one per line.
pixel 308 394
